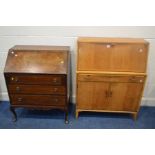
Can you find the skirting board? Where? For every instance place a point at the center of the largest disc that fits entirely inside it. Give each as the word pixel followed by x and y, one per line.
pixel 145 101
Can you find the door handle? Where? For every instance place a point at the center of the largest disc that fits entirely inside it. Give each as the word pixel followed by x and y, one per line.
pixel 106 93
pixel 110 94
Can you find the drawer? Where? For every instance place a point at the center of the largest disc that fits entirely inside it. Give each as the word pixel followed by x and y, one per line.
pixel 37 89
pixel 103 78
pixel 44 100
pixel 35 79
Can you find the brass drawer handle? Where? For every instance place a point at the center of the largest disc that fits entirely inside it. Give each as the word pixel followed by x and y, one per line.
pixel 132 79
pixel 14 79
pixel 20 99
pixel 55 100
pixel 17 88
pixel 87 77
pixel 55 80
pixel 55 89
pixel 108 45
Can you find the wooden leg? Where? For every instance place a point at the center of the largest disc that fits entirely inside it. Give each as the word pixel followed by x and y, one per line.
pixel 135 116
pixel 77 114
pixel 14 114
pixel 66 118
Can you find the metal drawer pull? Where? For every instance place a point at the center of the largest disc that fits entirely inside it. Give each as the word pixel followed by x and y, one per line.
pixel 55 80
pixel 132 79
pixel 55 89
pixel 12 78
pixel 17 89
pixel 20 99
pixel 55 100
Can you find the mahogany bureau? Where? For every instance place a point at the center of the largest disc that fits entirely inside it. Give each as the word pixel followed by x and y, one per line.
pixel 111 74
pixel 37 77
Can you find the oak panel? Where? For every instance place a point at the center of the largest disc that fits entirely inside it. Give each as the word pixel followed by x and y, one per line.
pixel 112 57
pixel 92 95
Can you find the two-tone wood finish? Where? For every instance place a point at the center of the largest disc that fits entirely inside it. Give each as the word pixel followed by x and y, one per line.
pixel 111 73
pixel 37 77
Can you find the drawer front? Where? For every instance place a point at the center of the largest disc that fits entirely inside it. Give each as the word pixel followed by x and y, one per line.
pixel 37 89
pixel 103 78
pixel 44 100
pixel 36 79
pixel 112 57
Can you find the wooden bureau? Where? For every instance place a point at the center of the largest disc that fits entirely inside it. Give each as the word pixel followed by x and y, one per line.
pixel 37 77
pixel 111 74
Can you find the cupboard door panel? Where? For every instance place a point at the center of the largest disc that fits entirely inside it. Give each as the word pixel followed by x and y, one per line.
pixel 133 96
pixel 92 95
pixel 124 96
pixel 112 57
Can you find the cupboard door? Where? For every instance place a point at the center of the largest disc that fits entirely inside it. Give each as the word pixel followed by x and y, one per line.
pixel 124 96
pixel 92 95
pixel 112 57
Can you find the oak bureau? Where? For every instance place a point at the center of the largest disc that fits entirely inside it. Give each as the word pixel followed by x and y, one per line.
pixel 37 77
pixel 111 74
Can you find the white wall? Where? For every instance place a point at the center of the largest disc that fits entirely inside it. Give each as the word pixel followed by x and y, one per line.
pixel 10 36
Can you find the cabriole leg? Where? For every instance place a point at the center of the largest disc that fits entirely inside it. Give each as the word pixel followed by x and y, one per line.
pixel 14 114
pixel 66 118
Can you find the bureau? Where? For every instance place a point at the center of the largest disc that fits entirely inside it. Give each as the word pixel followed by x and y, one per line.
pixel 37 77
pixel 110 75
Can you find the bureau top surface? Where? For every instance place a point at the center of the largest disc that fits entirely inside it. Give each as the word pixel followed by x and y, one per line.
pixel 112 40
pixel 37 59
pixel 39 48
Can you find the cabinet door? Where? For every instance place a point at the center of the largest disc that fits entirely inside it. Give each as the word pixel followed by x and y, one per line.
pixel 112 57
pixel 124 96
pixel 92 95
